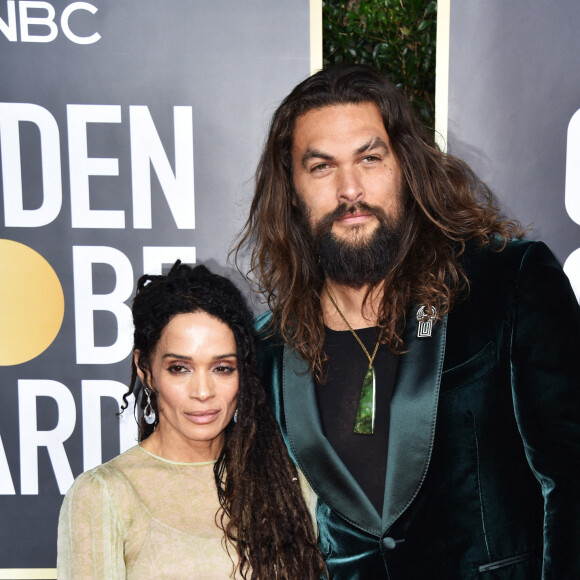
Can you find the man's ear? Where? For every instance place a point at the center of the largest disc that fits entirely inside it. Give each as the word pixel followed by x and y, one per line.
pixel 294 199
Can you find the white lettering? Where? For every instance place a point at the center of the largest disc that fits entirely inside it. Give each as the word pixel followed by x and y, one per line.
pixel 47 21
pixel 11 114
pixel 66 28
pixel 146 149
pixel 93 391
pixel 86 303
pixel 572 196
pixel 9 29
pixel 146 152
pixel 572 269
pixel 82 166
pixel 155 257
pixel 31 438
pixel 6 484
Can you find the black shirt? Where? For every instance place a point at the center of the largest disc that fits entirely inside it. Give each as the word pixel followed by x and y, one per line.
pixel 365 456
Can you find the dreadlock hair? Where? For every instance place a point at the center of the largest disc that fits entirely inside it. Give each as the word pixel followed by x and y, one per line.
pixel 443 204
pixel 262 513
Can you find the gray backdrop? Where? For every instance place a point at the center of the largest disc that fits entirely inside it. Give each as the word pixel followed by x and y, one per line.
pixel 133 130
pixel 210 74
pixel 513 90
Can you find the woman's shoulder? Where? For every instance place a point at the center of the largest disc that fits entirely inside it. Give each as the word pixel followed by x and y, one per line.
pixel 113 474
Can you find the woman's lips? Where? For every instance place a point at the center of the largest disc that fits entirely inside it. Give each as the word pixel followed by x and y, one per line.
pixel 202 417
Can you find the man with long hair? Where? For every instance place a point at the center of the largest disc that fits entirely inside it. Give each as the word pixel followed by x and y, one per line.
pixel 419 353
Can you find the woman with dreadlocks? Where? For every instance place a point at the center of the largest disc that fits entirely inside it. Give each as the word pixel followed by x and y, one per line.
pixel 209 491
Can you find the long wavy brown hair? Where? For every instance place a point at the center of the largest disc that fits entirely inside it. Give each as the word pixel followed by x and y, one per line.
pixel 263 514
pixel 444 207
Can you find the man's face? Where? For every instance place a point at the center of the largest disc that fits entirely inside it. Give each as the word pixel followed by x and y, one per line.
pixel 341 156
pixel 348 186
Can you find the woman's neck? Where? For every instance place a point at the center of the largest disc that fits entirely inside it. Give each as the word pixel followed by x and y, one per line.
pixel 178 449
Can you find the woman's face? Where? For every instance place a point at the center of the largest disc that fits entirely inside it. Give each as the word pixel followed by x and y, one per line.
pixel 194 370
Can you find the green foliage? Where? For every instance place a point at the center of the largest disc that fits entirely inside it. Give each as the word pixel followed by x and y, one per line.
pixel 397 37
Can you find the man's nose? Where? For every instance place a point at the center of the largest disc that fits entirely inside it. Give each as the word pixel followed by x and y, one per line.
pixel 350 188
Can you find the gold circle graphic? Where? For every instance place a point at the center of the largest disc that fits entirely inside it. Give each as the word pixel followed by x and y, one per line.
pixel 31 303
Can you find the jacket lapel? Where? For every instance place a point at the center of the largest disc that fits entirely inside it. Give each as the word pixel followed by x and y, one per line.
pixel 412 430
pixel 413 417
pixel 317 459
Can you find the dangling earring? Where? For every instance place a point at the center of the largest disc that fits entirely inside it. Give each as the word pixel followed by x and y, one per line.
pixel 236 416
pixel 149 412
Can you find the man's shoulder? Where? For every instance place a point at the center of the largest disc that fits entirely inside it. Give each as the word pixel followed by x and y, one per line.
pixel 497 257
pixel 510 249
pixel 501 273
pixel 266 330
pixel 495 272
pixel 262 322
pixel 269 343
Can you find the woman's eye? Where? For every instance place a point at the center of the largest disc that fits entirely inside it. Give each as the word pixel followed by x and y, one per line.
pixel 225 369
pixel 176 369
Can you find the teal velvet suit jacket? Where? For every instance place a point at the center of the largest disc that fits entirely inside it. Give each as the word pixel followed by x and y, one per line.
pixel 483 464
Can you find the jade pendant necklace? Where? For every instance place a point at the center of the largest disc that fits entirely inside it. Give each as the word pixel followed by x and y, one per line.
pixel 364 421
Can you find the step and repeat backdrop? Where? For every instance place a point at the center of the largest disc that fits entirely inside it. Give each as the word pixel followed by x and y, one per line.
pixel 514 112
pixel 129 134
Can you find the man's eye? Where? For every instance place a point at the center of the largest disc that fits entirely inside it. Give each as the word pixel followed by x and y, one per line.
pixel 371 159
pixel 319 167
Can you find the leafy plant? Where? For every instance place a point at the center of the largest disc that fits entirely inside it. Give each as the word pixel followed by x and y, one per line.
pixel 397 37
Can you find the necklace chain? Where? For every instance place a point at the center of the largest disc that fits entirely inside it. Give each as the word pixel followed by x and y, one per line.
pixel 371 358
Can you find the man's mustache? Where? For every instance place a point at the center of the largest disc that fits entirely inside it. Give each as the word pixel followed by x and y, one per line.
pixel 350 208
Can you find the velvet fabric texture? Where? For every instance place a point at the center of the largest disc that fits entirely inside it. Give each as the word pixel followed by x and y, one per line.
pixel 483 471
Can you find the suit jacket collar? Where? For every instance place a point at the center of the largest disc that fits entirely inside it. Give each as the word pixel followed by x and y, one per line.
pixel 412 430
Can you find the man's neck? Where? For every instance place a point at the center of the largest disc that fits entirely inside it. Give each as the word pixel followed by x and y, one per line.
pixel 351 302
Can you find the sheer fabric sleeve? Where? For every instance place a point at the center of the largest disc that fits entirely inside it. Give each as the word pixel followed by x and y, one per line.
pixel 90 532
pixel 310 498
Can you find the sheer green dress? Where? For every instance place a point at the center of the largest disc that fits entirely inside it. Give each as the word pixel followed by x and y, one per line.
pixel 143 517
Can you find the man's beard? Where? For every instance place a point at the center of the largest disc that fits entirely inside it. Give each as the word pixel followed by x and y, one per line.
pixel 364 259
